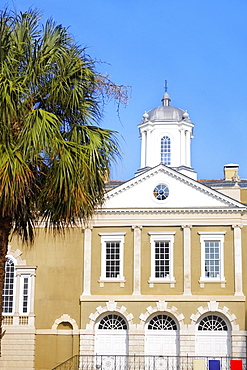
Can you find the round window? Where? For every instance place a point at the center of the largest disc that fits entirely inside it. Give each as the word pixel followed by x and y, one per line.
pixel 161 192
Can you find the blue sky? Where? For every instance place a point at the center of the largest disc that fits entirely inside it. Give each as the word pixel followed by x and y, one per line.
pixel 200 47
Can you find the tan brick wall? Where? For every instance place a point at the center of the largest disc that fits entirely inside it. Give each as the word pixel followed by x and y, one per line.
pixel 18 351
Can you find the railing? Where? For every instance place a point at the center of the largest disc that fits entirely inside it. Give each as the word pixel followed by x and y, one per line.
pixel 15 320
pixel 71 364
pixel 136 362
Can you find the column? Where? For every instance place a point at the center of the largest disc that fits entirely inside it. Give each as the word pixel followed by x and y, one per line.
pixel 148 150
pixel 187 259
pixel 87 261
pixel 182 147
pixel 32 278
pixel 143 149
pixel 137 260
pixel 187 145
pixel 238 259
pixel 17 299
pixel 31 314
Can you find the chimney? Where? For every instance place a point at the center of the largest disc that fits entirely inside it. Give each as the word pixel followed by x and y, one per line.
pixel 231 172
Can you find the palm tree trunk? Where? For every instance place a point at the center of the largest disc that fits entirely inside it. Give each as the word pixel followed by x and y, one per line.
pixel 5 227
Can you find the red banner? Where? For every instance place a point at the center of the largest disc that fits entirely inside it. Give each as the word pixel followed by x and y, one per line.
pixel 236 364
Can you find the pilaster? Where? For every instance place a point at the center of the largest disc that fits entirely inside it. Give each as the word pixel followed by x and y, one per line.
pixel 187 259
pixel 238 259
pixel 137 260
pixel 87 260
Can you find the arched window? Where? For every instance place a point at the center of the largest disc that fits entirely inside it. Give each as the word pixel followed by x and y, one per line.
pixel 212 322
pixel 162 322
pixel 112 322
pixel 8 289
pixel 165 150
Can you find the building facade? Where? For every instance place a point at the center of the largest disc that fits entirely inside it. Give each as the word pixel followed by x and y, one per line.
pixel 159 270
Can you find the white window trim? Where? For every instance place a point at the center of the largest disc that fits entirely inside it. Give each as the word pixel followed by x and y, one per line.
pixel 169 152
pixel 108 237
pixel 8 256
pixel 21 271
pixel 161 236
pixel 217 236
pixel 22 277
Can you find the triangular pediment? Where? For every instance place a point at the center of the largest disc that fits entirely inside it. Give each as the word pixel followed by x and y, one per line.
pixel 184 193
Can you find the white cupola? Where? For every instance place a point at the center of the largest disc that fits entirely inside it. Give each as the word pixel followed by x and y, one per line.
pixel 166 134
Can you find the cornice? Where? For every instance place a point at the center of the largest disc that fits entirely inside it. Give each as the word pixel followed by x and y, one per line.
pixel 157 298
pixel 118 211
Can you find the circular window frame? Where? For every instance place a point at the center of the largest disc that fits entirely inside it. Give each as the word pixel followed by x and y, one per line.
pixel 161 187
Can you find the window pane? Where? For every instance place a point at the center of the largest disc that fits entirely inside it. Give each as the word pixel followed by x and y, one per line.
pixel 162 260
pixel 25 295
pixel 165 150
pixel 212 259
pixel 112 259
pixel 8 289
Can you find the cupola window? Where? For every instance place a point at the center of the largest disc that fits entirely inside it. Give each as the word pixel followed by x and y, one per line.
pixel 166 150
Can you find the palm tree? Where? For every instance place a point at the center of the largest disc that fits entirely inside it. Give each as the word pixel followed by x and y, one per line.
pixel 54 158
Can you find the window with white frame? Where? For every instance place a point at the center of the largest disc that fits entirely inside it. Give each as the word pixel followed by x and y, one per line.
pixel 18 289
pixel 165 150
pixel 212 256
pixel 9 286
pixel 112 251
pixel 25 294
pixel 161 256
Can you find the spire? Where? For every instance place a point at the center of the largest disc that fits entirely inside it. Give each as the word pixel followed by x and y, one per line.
pixel 165 86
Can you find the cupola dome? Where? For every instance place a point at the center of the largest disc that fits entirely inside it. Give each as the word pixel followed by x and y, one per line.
pixel 166 134
pixel 166 112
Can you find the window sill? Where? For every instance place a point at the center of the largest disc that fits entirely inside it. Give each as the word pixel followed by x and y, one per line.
pixel 121 281
pixel 153 281
pixel 204 281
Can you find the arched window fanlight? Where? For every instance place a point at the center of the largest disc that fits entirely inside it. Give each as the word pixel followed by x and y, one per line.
pixel 162 322
pixel 8 288
pixel 212 322
pixel 112 322
pixel 166 150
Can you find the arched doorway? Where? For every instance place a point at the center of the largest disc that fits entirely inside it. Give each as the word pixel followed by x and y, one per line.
pixel 161 340
pixel 111 336
pixel 64 342
pixel 213 336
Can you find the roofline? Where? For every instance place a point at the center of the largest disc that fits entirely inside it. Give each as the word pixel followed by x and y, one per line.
pixel 194 183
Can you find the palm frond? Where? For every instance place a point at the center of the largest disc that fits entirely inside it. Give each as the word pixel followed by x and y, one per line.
pixel 54 157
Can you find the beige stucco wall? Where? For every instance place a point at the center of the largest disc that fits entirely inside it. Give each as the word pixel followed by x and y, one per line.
pixel 52 350
pixel 243 196
pixel 59 275
pixel 59 284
